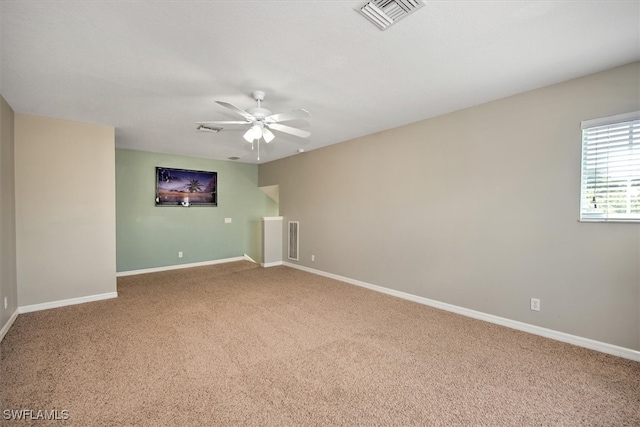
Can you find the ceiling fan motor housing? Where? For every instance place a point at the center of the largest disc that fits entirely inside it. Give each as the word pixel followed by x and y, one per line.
pixel 258 112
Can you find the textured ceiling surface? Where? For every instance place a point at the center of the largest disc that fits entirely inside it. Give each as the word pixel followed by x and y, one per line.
pixel 152 69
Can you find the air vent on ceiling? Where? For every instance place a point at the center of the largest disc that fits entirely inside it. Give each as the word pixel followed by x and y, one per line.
pixel 205 128
pixel 385 13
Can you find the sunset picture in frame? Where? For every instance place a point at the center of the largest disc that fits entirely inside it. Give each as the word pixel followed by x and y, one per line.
pixel 183 187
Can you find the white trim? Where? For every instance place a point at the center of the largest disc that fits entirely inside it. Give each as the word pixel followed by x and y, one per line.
pixel 65 302
pixel 272 218
pixel 602 121
pixel 8 325
pixel 179 266
pixel 271 264
pixel 602 347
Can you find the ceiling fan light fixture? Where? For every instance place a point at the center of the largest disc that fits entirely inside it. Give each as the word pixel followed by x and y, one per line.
pixel 257 130
pixel 248 135
pixel 267 135
pixel 254 132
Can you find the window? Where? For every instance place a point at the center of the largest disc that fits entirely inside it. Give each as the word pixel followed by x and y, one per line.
pixel 611 169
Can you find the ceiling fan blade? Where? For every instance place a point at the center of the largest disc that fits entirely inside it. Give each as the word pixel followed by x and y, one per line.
pixel 291 115
pixel 237 122
pixel 288 129
pixel 237 110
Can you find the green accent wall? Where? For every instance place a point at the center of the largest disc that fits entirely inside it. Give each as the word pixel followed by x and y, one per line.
pixel 149 236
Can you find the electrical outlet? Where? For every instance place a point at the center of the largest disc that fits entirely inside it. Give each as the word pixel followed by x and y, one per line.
pixel 6 303
pixel 180 254
pixel 535 304
pixel 313 257
pixel 228 220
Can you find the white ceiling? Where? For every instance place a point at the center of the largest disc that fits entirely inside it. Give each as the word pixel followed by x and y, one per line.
pixel 152 69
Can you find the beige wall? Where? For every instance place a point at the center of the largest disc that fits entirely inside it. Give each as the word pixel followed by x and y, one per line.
pixel 477 208
pixel 65 209
pixel 8 283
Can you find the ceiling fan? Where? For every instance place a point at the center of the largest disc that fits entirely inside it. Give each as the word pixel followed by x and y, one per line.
pixel 260 122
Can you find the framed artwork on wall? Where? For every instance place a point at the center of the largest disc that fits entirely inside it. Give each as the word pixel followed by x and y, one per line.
pixel 183 187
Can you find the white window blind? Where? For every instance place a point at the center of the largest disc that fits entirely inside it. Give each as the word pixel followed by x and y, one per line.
pixel 611 169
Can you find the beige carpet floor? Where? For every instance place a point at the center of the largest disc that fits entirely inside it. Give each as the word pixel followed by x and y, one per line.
pixel 238 345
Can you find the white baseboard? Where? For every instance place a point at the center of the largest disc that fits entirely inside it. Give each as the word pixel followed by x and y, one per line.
pixel 602 347
pixel 245 257
pixel 7 325
pixel 66 302
pixel 271 264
